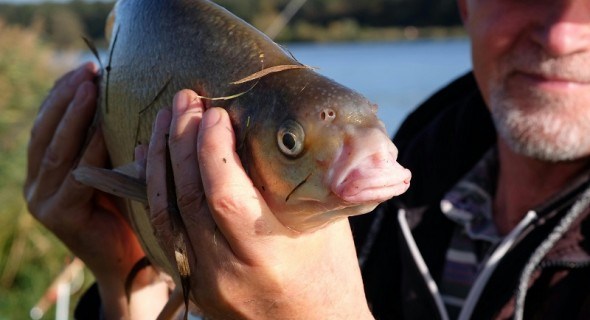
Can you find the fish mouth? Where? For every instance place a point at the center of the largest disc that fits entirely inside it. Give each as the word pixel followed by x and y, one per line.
pixel 350 178
pixel 366 170
pixel 374 179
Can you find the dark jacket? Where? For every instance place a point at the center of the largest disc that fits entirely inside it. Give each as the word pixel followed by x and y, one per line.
pixel 440 142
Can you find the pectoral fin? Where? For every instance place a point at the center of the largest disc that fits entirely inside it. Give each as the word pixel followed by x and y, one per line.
pixel 112 182
pixel 121 183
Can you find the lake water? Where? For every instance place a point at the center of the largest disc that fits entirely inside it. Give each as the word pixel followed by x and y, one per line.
pixel 395 75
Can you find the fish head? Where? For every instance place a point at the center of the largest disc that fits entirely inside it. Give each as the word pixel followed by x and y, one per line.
pixel 321 153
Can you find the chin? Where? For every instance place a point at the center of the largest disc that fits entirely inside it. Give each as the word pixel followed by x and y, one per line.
pixel 542 126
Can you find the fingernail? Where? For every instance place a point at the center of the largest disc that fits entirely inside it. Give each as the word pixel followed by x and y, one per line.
pixel 211 117
pixel 197 103
pixel 181 102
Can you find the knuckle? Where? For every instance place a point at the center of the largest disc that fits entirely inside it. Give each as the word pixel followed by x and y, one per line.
pixel 179 142
pixel 225 204
pixel 190 196
pixel 52 158
pixel 161 225
pixel 159 219
pixel 174 139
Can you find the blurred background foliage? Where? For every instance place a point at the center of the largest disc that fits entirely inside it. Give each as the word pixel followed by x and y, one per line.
pixel 36 43
pixel 30 257
pixel 318 20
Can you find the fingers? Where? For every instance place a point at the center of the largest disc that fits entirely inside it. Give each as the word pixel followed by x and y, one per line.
pixel 68 139
pixel 65 87
pixel 236 205
pixel 72 199
pixel 51 113
pixel 156 183
pixel 187 112
pixel 95 155
pixel 140 155
pixel 237 208
pixel 181 126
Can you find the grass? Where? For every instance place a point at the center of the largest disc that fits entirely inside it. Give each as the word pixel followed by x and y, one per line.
pixel 30 256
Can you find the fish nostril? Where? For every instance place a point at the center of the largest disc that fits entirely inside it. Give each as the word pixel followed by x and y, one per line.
pixel 328 115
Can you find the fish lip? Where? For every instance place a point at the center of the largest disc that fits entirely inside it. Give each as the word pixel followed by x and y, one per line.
pixel 361 186
pixel 365 170
pixel 375 177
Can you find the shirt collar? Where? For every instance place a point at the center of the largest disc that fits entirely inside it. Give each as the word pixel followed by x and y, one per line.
pixel 469 202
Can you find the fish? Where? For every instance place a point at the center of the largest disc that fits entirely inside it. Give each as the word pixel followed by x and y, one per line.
pixel 315 149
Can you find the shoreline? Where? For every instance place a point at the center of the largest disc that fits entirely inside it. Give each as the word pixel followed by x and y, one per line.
pixel 350 31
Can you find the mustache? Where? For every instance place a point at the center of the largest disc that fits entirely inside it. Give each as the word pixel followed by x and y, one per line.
pixel 574 67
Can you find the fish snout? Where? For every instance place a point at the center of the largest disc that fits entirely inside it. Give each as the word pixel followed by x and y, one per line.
pixel 366 170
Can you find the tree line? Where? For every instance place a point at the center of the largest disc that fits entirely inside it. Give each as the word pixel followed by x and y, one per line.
pixel 63 23
pixel 373 13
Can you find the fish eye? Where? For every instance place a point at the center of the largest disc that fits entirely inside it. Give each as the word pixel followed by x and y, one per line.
pixel 290 138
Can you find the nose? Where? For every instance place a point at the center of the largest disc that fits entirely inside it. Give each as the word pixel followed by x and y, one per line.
pixel 566 27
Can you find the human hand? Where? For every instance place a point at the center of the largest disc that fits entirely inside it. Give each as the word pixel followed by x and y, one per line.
pixel 86 221
pixel 244 262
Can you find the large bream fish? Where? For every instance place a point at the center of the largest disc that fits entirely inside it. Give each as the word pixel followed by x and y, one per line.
pixel 314 148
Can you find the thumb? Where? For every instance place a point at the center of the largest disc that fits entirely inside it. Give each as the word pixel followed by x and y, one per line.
pixel 237 207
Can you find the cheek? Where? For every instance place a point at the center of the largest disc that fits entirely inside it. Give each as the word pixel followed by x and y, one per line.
pixel 494 32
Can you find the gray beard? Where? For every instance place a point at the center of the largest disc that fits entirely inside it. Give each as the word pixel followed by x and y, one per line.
pixel 546 131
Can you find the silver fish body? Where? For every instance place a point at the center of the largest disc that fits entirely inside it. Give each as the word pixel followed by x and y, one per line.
pixel 314 148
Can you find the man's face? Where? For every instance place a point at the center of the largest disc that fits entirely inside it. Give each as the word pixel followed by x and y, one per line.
pixel 531 59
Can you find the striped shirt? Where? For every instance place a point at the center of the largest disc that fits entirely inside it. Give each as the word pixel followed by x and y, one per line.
pixel 469 204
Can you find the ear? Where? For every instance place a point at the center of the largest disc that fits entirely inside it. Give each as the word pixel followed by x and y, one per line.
pixel 462 4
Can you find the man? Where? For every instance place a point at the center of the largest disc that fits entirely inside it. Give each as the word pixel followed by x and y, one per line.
pixel 529 70
pixel 497 203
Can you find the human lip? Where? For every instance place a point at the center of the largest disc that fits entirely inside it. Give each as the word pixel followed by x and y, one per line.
pixel 551 81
